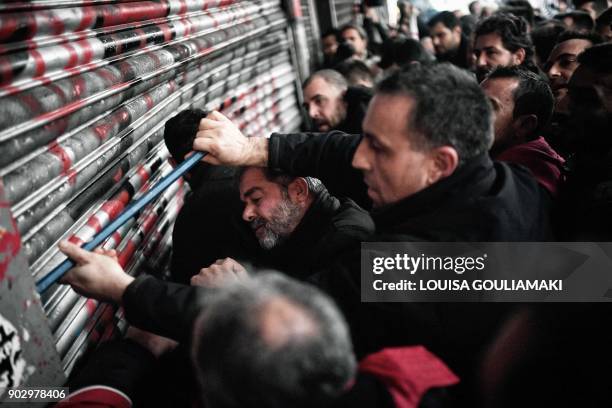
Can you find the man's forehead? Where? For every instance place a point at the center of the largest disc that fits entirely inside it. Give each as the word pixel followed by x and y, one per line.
pixel 319 86
pixel 387 113
pixel 501 88
pixel 439 27
pixel 350 32
pixel 573 46
pixel 492 40
pixel 252 177
pixel 330 38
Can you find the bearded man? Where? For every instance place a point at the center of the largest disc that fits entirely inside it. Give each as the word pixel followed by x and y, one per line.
pixel 287 223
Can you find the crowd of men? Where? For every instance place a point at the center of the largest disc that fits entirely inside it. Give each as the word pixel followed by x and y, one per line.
pixel 488 127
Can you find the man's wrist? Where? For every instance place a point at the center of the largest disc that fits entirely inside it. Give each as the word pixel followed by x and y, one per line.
pixel 120 287
pixel 258 152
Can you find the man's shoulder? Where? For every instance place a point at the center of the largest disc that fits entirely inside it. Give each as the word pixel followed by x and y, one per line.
pixel 350 216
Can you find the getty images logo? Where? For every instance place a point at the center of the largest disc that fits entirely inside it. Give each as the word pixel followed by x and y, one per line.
pixel 413 264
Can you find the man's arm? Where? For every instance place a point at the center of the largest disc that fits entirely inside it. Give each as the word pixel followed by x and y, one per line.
pixel 163 308
pixel 326 156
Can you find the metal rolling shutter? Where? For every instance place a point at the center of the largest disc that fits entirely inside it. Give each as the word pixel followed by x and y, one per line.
pixel 85 90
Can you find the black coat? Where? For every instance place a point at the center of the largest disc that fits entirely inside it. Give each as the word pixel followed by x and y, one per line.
pixel 482 201
pixel 357 99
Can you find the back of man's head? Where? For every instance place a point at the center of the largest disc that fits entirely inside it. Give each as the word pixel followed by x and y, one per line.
pixel 271 342
pixel 598 58
pixel 450 108
pixel 512 30
pixel 447 18
pixel 545 37
pixel 532 96
pixel 356 72
pixel 603 24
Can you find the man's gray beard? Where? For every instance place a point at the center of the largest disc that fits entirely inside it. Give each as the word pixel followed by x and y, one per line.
pixel 284 220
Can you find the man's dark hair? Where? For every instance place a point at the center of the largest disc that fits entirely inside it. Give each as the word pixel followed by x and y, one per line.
pixel 402 51
pixel 239 365
pixel 450 109
pixel 355 70
pixel 511 29
pixel 604 20
pixel 597 58
pixel 180 131
pixel 532 96
pixel 582 20
pixel 332 31
pixel 447 18
pixel 593 38
pixel 315 186
pixel 360 30
pixel 545 36
pixel 472 6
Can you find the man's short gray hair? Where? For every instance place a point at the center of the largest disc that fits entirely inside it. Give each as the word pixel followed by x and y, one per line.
pixel 334 78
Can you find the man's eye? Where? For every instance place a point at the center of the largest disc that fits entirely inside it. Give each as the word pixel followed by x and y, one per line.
pixel 376 147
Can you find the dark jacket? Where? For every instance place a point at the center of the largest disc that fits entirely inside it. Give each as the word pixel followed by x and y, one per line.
pixel 210 227
pixel 357 99
pixel 481 201
pixel 585 210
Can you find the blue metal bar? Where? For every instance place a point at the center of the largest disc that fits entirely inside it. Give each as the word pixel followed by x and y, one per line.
pixel 46 281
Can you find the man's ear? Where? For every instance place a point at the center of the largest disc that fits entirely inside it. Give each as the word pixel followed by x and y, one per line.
pixel 457 30
pixel 298 190
pixel 444 161
pixel 519 56
pixel 524 127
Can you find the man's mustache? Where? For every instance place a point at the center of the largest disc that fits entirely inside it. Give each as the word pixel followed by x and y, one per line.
pixel 256 223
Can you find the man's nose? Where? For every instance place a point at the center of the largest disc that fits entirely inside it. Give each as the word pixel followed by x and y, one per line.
pixel 481 61
pixel 313 111
pixel 248 214
pixel 554 71
pixel 360 158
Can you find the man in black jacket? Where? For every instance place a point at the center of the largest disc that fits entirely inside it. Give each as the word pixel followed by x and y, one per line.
pixel 449 41
pixel 424 162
